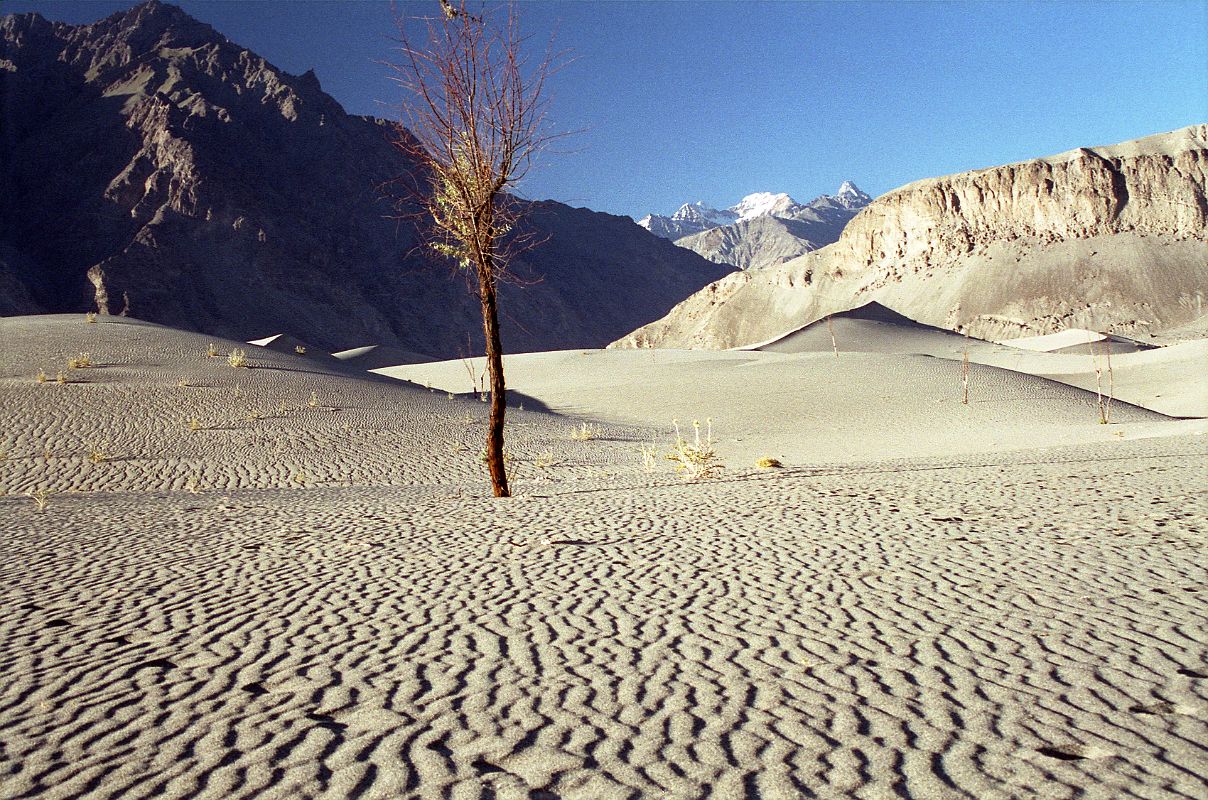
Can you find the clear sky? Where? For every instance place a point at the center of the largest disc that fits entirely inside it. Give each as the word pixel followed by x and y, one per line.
pixel 686 101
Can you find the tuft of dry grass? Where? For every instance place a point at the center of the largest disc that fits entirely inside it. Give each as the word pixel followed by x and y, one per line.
pixel 545 460
pixel 183 383
pixel 90 317
pixel 97 454
pixel 299 349
pixel 193 482
pixel 650 458
pixel 313 402
pixel 61 378
pixel 767 462
pixel 193 424
pixel 585 432
pixel 41 498
pixel 696 460
pixel 212 350
pixel 41 376
pixel 81 361
pixel 237 358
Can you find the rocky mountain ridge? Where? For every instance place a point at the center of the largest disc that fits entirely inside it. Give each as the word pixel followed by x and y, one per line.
pixel 762 229
pixel 1107 238
pixel 146 158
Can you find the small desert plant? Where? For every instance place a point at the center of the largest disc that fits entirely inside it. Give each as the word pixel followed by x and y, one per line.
pixel 585 432
pixel 193 424
pixel 545 460
pixel 282 409
pixel 1104 402
pixel 456 446
pixel 61 378
pixel 97 454
pixel 237 357
pixel 41 376
pixel 451 395
pixel 183 383
pixel 90 316
pixel 767 462
pixel 299 349
pixel 212 350
pixel 650 458
pixel 301 478
pixel 696 460
pixel 80 361
pixel 313 402
pixel 41 497
pixel 253 415
pixel 965 372
pixel 238 390
pixel 193 482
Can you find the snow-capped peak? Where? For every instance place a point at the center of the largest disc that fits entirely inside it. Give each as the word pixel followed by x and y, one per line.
pixel 850 196
pixel 763 204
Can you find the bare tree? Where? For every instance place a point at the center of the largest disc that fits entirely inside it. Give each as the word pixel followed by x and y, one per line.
pixel 473 120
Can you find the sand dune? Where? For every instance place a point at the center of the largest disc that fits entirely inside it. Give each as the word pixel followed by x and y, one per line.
pixel 1080 342
pixel 812 407
pixel 866 622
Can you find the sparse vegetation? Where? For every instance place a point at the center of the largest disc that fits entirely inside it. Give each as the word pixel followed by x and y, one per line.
pixel 238 390
pixel 90 317
pixel 193 424
pixel 81 361
pixel 585 432
pixel 41 498
pixel 41 376
pixel 965 372
pixel 301 478
pixel 237 358
pixel 1104 402
pixel 650 458
pixel 97 454
pixel 299 349
pixel 767 462
pixel 313 402
pixel 212 350
pixel 183 383
pixel 193 482
pixel 61 378
pixel 545 460
pixel 696 460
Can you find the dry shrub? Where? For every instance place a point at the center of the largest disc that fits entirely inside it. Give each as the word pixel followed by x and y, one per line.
pixel 696 460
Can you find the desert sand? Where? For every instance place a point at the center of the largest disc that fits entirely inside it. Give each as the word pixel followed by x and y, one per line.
pixel 308 593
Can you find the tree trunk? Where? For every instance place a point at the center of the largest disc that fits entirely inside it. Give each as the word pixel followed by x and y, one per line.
pixel 490 330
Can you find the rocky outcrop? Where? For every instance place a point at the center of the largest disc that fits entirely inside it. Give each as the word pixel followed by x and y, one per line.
pixel 1107 238
pixel 219 193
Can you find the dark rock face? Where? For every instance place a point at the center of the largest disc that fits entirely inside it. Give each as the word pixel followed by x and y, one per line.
pixel 221 194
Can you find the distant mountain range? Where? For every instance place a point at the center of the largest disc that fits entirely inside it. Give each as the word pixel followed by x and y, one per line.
pixel 147 158
pixel 1111 238
pixel 762 229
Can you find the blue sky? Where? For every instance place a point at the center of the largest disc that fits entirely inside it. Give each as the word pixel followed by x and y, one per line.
pixel 712 100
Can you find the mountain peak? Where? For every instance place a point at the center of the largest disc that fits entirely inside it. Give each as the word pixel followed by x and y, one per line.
pixel 850 196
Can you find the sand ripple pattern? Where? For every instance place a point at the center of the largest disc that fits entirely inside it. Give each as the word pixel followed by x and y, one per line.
pixel 921 629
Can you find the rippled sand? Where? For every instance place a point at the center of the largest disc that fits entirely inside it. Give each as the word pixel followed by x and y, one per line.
pixel 188 618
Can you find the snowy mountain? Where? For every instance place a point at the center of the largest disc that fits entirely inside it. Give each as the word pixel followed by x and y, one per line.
pixel 762 229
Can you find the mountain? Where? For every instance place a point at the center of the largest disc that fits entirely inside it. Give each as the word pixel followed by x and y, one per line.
pixel 691 218
pixel 1108 238
pixel 762 229
pixel 146 158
